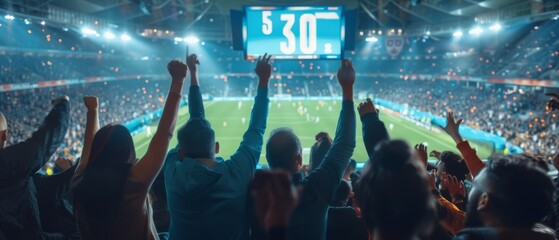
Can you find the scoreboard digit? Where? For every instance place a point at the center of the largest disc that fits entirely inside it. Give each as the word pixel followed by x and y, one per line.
pixel 294 32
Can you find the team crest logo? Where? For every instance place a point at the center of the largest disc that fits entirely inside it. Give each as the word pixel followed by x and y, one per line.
pixel 394 45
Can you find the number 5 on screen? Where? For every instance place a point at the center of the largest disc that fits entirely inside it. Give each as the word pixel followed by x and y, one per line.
pixel 266 23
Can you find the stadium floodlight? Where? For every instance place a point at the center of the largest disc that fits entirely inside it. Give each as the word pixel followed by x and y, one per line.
pixel 191 40
pixel 178 39
pixel 9 17
pixel 495 27
pixel 88 31
pixel 475 31
pixel 43 23
pixel 371 39
pixel 109 35
pixel 125 37
pixel 27 21
pixel 458 34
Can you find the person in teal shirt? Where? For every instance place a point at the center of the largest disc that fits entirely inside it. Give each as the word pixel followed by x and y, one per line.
pixel 207 196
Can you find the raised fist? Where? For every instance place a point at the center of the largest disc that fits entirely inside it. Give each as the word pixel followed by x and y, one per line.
pixel 91 102
pixel 177 70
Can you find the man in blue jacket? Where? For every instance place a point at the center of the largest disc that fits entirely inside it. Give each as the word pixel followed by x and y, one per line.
pixel 207 196
pixel 19 212
pixel 284 151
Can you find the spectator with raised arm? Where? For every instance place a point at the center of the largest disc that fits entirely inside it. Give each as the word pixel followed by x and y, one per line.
pixel 207 196
pixel 110 186
pixel 284 151
pixel 19 213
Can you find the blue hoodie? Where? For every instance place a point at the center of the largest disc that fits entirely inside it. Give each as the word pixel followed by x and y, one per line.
pixel 209 203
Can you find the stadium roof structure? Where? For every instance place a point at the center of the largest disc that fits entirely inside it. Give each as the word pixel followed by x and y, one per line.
pixel 211 17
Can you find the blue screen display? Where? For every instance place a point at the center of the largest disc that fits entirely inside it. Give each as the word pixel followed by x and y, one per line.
pixel 294 32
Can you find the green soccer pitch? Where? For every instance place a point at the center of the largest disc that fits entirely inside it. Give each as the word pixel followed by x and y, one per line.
pixel 306 118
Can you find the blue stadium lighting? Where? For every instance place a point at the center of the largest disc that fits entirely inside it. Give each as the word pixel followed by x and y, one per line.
pixel 125 37
pixel 371 39
pixel 109 35
pixel 458 34
pixel 191 40
pixel 179 39
pixel 475 31
pixel 89 32
pixel 495 27
pixel 43 23
pixel 27 21
pixel 9 17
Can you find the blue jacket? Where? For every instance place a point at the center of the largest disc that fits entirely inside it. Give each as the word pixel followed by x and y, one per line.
pixel 19 212
pixel 309 218
pixel 209 203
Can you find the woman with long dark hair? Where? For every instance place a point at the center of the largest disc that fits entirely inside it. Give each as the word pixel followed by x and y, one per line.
pixel 110 186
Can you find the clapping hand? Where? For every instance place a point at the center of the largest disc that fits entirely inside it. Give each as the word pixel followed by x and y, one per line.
pixel 455 188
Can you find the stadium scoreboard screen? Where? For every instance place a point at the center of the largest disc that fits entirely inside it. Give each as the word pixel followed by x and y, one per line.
pixel 294 32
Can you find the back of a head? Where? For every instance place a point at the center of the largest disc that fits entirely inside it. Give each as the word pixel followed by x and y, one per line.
pixel 454 165
pixel 388 183
pixel 318 151
pixel 282 149
pixel 197 139
pixel 341 195
pixel 101 189
pixel 523 193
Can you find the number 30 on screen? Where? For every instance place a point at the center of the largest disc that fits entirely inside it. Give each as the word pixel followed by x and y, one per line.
pixel 307 32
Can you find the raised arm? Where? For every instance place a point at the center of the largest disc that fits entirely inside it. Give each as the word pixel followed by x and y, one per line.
pixel 247 155
pixel 25 158
pixel 470 156
pixel 148 167
pixel 195 102
pixel 373 128
pixel 329 173
pixel 91 128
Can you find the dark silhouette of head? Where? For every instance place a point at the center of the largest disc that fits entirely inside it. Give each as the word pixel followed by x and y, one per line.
pixel 510 192
pixel 453 164
pixel 342 194
pixel 283 150
pixel 319 150
pixel 197 139
pixel 101 189
pixel 392 178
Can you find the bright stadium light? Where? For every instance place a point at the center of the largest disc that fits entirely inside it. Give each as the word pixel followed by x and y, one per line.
pixel 27 21
pixel 457 34
pixel 475 31
pixel 495 27
pixel 9 17
pixel 178 39
pixel 371 39
pixel 125 37
pixel 109 35
pixel 88 31
pixel 43 23
pixel 191 40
